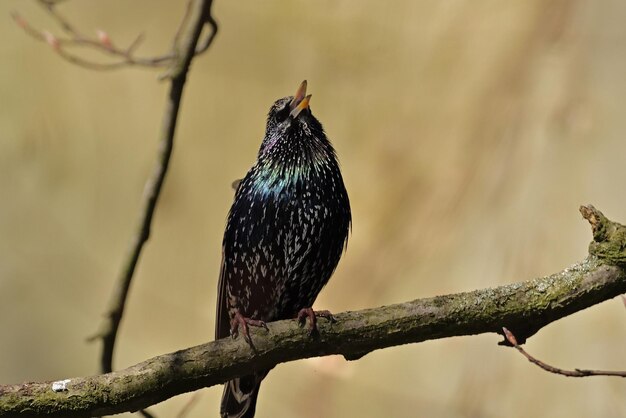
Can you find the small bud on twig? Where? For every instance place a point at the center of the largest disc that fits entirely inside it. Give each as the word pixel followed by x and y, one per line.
pixel 510 337
pixel 21 22
pixel 104 39
pixel 52 40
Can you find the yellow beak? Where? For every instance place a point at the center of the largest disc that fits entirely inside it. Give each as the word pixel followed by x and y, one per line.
pixel 304 104
pixel 297 98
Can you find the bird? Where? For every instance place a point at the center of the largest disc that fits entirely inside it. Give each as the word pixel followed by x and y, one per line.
pixel 285 233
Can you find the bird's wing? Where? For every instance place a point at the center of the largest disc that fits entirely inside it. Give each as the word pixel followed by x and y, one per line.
pixel 222 318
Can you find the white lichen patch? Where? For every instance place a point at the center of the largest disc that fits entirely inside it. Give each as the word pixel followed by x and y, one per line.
pixel 60 385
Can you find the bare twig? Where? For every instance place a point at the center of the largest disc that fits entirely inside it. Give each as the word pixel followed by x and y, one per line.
pixel 188 405
pixel 184 50
pixel 183 23
pixel 556 370
pixel 126 56
pixel 65 24
pixel 186 46
pixel 206 43
pixel 145 414
pixel 123 57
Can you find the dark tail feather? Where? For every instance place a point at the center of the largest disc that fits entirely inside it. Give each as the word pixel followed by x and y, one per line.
pixel 239 397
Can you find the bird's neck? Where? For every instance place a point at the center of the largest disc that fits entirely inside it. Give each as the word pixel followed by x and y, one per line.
pixel 289 166
pixel 296 153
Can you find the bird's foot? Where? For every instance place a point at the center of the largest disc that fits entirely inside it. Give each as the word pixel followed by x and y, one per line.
pixel 313 315
pixel 239 320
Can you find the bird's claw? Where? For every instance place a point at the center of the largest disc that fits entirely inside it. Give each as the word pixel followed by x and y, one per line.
pixel 239 320
pixel 305 313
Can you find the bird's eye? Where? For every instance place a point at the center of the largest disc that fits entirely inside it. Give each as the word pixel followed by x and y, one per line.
pixel 283 113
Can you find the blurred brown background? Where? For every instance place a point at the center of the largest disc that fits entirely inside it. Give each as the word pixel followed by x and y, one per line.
pixel 468 131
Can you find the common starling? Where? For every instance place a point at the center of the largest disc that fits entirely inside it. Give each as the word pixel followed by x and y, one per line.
pixel 286 231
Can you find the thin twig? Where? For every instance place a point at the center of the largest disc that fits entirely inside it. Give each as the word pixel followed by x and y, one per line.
pixel 65 24
pixel 186 46
pixel 145 414
pixel 204 45
pixel 61 45
pixel 556 370
pixel 183 24
pixel 185 51
pixel 123 57
pixel 188 405
pixel 135 44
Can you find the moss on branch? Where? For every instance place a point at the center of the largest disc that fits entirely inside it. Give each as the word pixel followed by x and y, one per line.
pixel 609 238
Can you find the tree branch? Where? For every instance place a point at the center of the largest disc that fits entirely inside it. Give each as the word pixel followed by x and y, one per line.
pixel 187 39
pixel 523 307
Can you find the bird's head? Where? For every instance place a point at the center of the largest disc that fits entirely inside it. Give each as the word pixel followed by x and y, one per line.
pixel 290 118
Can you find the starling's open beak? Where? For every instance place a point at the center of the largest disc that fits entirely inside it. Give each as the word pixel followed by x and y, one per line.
pixel 297 98
pixel 300 101
pixel 304 104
